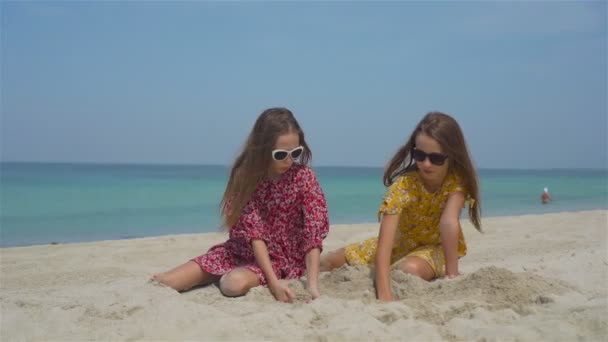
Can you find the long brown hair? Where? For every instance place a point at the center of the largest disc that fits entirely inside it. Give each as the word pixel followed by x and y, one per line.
pixel 446 131
pixel 254 161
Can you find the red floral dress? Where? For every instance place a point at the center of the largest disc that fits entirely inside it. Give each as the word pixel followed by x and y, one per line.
pixel 289 214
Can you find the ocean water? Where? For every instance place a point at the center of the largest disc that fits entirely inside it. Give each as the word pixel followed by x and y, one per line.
pixel 42 203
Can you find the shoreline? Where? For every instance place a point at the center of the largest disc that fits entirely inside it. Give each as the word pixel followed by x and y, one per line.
pixel 464 220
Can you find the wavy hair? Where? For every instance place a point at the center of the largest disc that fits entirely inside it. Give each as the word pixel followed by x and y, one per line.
pixel 446 131
pixel 254 161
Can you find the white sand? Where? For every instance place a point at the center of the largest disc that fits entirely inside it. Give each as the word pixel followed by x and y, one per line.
pixel 530 278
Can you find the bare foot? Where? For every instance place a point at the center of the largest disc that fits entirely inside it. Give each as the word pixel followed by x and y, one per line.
pixel 158 278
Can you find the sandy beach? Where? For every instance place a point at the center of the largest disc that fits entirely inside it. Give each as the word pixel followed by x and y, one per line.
pixel 527 278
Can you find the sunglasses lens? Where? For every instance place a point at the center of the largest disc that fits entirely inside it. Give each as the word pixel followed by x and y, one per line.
pixel 419 156
pixel 280 155
pixel 296 153
pixel 437 159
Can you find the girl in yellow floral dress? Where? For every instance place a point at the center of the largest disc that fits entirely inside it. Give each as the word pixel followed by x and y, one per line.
pixel 429 180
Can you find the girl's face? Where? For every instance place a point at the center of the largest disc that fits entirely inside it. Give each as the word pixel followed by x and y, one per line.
pixel 431 161
pixel 286 149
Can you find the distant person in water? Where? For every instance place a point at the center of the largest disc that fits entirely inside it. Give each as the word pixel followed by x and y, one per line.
pixel 545 197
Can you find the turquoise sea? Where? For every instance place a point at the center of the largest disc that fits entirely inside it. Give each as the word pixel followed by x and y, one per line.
pixel 41 203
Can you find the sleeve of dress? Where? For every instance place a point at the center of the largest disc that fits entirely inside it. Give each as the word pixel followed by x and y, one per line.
pixel 250 225
pixel 395 199
pixel 459 186
pixel 316 220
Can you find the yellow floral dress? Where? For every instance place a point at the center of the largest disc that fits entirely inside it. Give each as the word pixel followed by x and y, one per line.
pixel 418 231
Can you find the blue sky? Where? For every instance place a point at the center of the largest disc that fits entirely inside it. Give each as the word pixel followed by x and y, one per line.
pixel 165 82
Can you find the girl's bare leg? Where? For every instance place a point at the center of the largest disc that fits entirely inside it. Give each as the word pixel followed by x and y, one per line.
pixel 418 267
pixel 185 277
pixel 333 259
pixel 238 282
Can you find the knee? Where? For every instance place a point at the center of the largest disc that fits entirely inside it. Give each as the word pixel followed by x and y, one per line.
pixel 332 260
pixel 411 267
pixel 233 284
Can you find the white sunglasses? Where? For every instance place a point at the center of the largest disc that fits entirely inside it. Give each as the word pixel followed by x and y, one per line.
pixel 279 155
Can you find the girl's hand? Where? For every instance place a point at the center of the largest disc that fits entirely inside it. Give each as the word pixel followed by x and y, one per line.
pixel 450 276
pixel 386 296
pixel 314 292
pixel 281 292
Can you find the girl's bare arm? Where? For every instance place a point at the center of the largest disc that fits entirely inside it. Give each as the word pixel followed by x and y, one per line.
pixel 312 271
pixel 448 227
pixel 388 228
pixel 279 291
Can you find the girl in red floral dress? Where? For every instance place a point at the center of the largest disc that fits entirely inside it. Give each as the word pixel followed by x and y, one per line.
pixel 276 212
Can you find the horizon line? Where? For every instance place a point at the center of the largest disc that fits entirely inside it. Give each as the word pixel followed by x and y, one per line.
pixel 225 165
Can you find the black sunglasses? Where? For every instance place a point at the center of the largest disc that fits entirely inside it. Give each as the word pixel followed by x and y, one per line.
pixel 435 158
pixel 279 155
